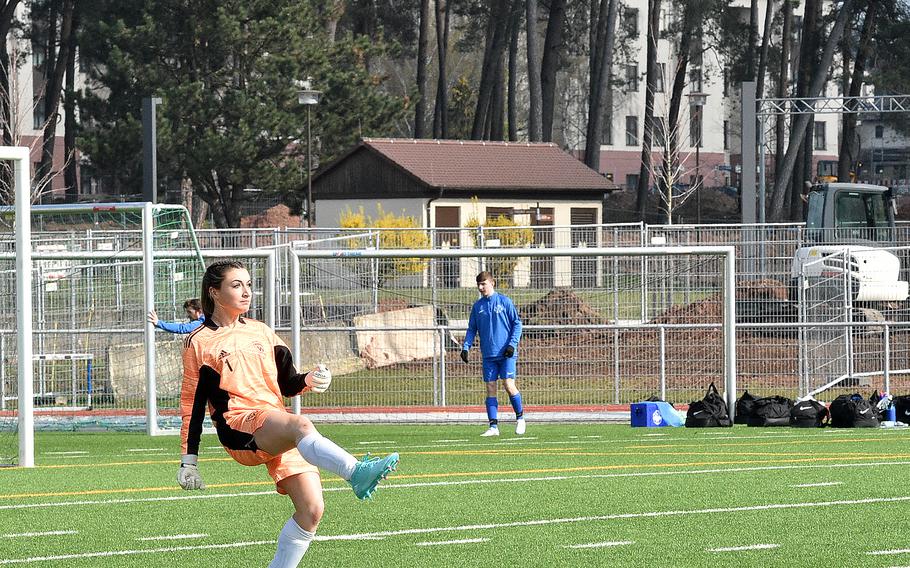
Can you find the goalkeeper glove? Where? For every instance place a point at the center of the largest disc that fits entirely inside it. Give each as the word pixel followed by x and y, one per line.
pixel 188 475
pixel 319 379
pixel 464 355
pixel 509 351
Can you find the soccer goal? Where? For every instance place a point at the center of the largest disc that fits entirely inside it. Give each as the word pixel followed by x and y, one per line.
pixel 85 276
pixel 600 325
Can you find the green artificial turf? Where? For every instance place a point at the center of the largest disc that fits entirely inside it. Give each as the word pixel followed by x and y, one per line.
pixel 636 497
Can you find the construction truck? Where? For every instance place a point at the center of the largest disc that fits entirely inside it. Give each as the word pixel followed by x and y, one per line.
pixel 848 225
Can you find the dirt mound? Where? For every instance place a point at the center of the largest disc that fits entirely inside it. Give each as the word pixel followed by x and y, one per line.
pixel 278 216
pixel 765 289
pixel 560 307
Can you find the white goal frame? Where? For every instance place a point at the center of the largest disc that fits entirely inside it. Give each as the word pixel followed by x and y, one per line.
pixel 19 156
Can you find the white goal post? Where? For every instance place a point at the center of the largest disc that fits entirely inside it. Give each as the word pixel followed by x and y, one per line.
pixel 19 156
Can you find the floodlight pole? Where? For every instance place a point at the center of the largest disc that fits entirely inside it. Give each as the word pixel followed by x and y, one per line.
pixel 309 98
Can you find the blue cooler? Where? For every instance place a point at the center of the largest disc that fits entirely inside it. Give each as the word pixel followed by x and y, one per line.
pixel 647 414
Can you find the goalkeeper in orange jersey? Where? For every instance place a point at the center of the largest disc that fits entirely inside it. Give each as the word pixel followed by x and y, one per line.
pixel 240 370
pixel 494 320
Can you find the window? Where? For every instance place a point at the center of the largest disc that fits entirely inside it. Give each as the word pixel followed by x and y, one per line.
pixel 631 77
pixel 820 139
pixel 659 80
pixel 631 131
pixel 879 131
pixel 631 181
pixel 38 118
pixel 726 135
pixel 695 127
pixel 496 212
pixel 726 83
pixel 630 22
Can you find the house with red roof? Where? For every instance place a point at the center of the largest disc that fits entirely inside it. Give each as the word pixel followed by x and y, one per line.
pixel 451 184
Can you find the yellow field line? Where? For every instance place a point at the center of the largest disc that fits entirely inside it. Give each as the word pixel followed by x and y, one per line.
pixel 398 477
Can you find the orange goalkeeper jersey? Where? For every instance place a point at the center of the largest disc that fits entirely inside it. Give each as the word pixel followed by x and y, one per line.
pixel 242 367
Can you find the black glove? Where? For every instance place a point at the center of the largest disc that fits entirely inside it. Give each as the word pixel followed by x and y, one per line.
pixel 509 351
pixel 464 355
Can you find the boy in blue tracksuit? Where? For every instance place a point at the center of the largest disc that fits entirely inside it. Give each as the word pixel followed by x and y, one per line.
pixel 495 320
pixel 193 311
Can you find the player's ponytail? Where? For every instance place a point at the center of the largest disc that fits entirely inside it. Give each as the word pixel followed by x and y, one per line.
pixel 213 277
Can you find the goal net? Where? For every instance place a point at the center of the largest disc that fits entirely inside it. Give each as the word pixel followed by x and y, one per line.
pixel 89 270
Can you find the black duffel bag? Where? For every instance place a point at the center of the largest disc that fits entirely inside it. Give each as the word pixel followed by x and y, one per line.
pixel 708 412
pixel 902 408
pixel 809 413
pixel 852 411
pixel 771 411
pixel 744 407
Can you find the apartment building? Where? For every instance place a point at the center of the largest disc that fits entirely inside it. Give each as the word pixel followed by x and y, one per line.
pixel 709 123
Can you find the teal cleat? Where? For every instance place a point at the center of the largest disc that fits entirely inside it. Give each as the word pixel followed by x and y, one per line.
pixel 369 471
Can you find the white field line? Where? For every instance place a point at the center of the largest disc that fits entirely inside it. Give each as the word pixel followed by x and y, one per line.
pixel 656 434
pixel 147 450
pixel 173 537
pixel 377 442
pixel 422 484
pixel 449 441
pixel 159 454
pixel 600 544
pixel 108 554
pixel 741 548
pixel 462 541
pixel 73 453
pixel 32 534
pixel 487 526
pixel 888 552
pixel 822 484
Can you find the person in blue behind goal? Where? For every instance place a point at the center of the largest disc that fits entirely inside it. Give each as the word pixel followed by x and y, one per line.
pixel 495 321
pixel 193 311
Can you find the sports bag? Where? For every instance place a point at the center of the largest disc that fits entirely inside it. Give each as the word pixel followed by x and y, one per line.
pixel 708 412
pixel 852 411
pixel 902 408
pixel 744 407
pixel 771 411
pixel 809 413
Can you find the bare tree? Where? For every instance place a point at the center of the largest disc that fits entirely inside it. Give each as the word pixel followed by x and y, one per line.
pixel 423 41
pixel 848 147
pixel 644 178
pixel 601 64
pixel 798 132
pixel 763 53
pixel 440 122
pixel 783 80
pixel 753 40
pixel 670 173
pixel 494 46
pixel 534 127
pixel 553 48
pixel 55 62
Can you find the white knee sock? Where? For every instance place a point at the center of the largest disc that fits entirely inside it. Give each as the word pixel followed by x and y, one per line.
pixel 293 543
pixel 325 454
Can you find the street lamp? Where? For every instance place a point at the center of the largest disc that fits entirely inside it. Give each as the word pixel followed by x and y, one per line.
pixel 308 97
pixel 696 103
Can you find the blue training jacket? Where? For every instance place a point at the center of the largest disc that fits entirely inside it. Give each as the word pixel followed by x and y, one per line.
pixel 496 321
pixel 180 327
